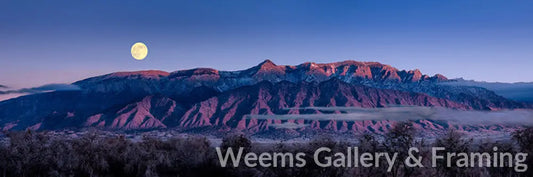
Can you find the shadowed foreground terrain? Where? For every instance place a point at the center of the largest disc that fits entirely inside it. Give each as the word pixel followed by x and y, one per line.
pixel 99 154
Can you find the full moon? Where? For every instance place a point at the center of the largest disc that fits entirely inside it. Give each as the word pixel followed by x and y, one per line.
pixel 139 51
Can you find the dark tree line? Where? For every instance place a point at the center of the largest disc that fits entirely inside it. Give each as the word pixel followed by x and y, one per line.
pixel 33 154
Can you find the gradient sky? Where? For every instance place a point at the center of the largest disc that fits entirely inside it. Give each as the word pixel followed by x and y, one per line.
pixel 64 41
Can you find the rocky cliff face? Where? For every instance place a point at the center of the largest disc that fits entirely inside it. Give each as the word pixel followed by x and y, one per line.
pixel 230 109
pixel 208 98
pixel 183 81
pixel 150 112
pixel 373 74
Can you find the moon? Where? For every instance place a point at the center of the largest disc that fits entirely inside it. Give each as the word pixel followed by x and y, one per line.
pixel 139 51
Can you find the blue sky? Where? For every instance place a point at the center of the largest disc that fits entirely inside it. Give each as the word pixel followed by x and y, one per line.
pixel 63 41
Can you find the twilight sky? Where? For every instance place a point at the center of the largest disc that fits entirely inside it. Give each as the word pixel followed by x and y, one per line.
pixel 64 41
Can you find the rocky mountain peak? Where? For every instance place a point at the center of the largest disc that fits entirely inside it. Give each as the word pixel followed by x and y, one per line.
pixel 208 98
pixel 191 72
pixel 440 77
pixel 142 74
pixel 267 63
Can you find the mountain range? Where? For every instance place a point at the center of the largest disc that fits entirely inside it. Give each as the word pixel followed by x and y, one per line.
pixel 208 99
pixel 520 91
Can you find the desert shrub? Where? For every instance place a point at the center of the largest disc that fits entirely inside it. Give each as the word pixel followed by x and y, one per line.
pixel 96 154
pixel 524 140
pixel 370 143
pixel 37 154
pixel 236 141
pixel 502 147
pixel 452 141
pixel 400 138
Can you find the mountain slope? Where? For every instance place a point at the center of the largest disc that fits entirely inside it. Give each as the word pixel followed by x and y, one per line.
pixel 373 74
pixel 522 91
pixel 150 112
pixel 228 110
pixel 208 97
pixel 183 81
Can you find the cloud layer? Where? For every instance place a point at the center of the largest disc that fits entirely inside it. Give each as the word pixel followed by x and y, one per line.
pixel 8 94
pixel 400 113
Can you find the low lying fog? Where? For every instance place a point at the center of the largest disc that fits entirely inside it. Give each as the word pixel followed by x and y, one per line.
pixel 399 113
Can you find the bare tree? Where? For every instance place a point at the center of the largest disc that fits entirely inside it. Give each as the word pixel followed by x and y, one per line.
pixel 524 139
pixel 452 141
pixel 400 139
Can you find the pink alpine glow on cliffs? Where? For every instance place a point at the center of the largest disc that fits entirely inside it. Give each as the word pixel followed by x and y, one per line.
pixel 206 98
pixel 138 115
pixel 185 80
pixel 229 109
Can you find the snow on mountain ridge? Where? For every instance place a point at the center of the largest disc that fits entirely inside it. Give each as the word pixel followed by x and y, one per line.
pixel 348 71
pixel 269 66
pixel 208 98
